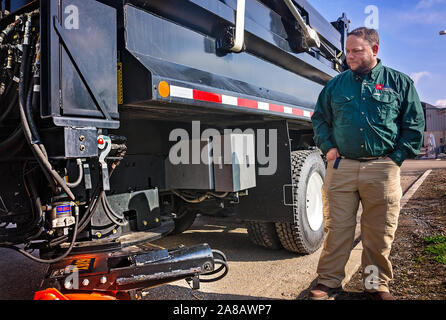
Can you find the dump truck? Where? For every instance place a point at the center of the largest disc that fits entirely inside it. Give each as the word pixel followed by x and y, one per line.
pixel 122 120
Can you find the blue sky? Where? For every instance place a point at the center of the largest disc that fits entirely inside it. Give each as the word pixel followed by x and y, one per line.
pixel 410 40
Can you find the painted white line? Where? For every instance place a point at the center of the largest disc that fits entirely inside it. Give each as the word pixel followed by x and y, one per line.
pixel 414 188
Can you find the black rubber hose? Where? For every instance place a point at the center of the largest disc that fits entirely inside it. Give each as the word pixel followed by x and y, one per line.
pixel 110 213
pixel 43 161
pixel 29 114
pixel 10 107
pixel 11 142
pixel 49 261
pixel 105 203
pixel 38 219
pixel 10 86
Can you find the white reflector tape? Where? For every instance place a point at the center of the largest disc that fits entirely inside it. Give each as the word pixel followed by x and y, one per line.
pixel 180 92
pixel 288 110
pixel 229 100
pixel 307 114
pixel 263 106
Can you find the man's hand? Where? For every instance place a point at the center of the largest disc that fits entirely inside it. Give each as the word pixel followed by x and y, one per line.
pixel 332 154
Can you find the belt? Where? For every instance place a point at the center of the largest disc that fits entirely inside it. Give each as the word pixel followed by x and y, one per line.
pixel 336 163
pixel 366 158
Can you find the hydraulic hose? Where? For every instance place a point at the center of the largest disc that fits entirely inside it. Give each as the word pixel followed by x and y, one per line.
pixel 110 213
pixel 11 142
pixel 10 107
pixel 50 261
pixel 80 175
pixel 9 87
pixel 43 161
pixel 29 115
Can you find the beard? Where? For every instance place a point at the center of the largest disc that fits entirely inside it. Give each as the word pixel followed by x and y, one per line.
pixel 364 66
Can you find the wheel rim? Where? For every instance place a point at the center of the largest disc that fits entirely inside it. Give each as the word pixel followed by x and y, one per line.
pixel 314 213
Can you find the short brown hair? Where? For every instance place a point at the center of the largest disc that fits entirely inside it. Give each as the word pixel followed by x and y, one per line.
pixel 370 35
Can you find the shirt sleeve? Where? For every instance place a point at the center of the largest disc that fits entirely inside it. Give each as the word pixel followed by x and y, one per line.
pixel 322 123
pixel 411 127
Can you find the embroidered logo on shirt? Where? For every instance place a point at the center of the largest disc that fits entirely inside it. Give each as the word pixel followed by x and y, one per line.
pixel 388 89
pixel 379 87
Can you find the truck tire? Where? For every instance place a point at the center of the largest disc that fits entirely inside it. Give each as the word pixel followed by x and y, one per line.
pixel 184 220
pixel 264 234
pixel 306 234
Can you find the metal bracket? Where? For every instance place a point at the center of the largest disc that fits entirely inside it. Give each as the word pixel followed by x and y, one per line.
pixel 311 37
pixel 293 186
pixel 194 282
pixel 87 176
pixel 105 146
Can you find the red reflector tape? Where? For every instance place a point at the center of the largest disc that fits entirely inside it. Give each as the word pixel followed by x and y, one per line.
pixel 276 108
pixel 207 96
pixel 247 103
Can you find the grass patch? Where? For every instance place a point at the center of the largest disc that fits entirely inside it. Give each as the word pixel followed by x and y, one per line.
pixel 436 248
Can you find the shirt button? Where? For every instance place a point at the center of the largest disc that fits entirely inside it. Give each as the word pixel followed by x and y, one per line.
pixel 363 98
pixel 362 113
pixel 361 129
pixel 362 146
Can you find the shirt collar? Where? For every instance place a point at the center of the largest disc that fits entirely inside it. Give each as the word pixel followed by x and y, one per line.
pixel 375 71
pixel 373 74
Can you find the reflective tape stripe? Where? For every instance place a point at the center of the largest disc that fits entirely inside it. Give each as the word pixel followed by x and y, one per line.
pixel 193 94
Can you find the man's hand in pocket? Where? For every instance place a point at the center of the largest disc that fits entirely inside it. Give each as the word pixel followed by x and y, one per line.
pixel 332 154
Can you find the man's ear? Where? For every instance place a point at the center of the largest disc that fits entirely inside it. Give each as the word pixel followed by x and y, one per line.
pixel 375 49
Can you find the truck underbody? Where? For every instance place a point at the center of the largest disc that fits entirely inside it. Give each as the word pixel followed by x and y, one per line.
pixel 99 98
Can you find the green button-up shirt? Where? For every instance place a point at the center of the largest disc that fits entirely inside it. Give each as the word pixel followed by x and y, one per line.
pixel 377 114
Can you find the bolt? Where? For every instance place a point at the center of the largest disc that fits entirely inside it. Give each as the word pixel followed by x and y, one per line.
pixel 98 234
pixel 81 138
pixel 85 282
pixel 144 222
pixel 82 148
pixel 103 280
pixel 207 266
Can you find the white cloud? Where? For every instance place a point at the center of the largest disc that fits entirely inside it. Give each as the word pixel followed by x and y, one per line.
pixel 424 4
pixel 416 76
pixel 441 103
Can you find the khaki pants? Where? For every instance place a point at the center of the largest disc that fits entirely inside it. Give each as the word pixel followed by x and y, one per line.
pixel 376 184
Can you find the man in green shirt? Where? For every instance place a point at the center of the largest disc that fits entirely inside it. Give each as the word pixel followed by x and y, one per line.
pixel 367 121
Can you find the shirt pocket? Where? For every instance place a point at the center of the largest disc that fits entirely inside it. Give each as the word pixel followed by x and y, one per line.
pixel 343 109
pixel 386 107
